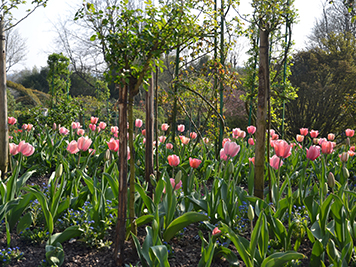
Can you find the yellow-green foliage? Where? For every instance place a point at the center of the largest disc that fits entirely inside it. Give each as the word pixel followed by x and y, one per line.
pixel 29 95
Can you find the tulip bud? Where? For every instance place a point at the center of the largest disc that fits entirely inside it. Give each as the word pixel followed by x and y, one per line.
pixel 231 168
pixel 59 170
pixel 178 177
pixel 331 180
pixel 345 172
pixel 250 213
pixel 344 156
pixel 325 189
pixel 107 154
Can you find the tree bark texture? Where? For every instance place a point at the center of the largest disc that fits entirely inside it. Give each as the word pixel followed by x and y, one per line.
pixel 149 164
pixel 4 130
pixel 122 205
pixel 263 89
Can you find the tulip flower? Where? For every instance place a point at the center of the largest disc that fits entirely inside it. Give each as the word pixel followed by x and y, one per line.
pixel 169 146
pixel 300 138
pixel 162 139
pixel 225 140
pixel 231 149
pixel 251 142
pixel 92 127
pixel 84 143
pixel 138 123
pixel 216 231
pixel 13 149
pixel 314 134
pixel 251 129
pixel 349 132
pixel 24 126
pixel 184 140
pixel 352 148
pixel 271 132
pixel 25 149
pixel 164 127
pixel 94 120
pixel 304 131
pixel 205 140
pixel 75 125
pixel 327 147
pixel 313 152
pixel 54 127
pixel 29 127
pixel 194 163
pixel 181 128
pixel 193 135
pixel 114 129
pixel 174 185
pixel 63 130
pixel 331 137
pixel 252 160
pixel 102 125
pixel 80 132
pixel 223 155
pixel 11 120
pixel 113 144
pixel 236 132
pixel 344 157
pixel 351 153
pixel 282 148
pixel 275 162
pixel 173 160
pixel 144 132
pixel 274 136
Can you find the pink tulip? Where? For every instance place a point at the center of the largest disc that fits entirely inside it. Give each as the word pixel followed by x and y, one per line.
pixel 113 144
pixel 94 120
pixel 184 140
pixel 114 129
pixel 331 137
pixel 252 160
pixel 314 134
pixel 275 162
pixel 84 143
pixel 194 163
pixel 352 148
pixel 24 126
pixel 236 132
pixel 63 130
pixel 54 127
pixel 11 120
pixel 231 149
pixel 181 128
pixel 225 140
pixel 304 131
pixel 193 135
pixel 162 139
pixel 351 153
pixel 313 152
pixel 138 123
pixel 92 127
pixel 282 148
pixel 322 140
pixel 349 132
pixel 251 129
pixel 326 147
pixel 223 155
pixel 344 157
pixel 13 149
pixel 173 160
pixel 169 146
pixel 174 185
pixel 274 136
pixel 91 151
pixel 29 127
pixel 251 142
pixel 205 140
pixel 300 138
pixel 80 132
pixel 75 125
pixel 73 147
pixel 164 127
pixel 25 148
pixel 216 231
pixel 271 132
pixel 102 125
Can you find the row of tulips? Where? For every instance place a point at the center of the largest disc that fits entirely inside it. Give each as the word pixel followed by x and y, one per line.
pixel 299 174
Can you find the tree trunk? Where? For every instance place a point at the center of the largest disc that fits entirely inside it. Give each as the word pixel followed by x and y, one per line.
pixel 4 135
pixel 263 89
pixel 122 206
pixel 149 133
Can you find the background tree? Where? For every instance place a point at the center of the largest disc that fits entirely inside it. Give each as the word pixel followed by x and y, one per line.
pixel 15 47
pixel 6 18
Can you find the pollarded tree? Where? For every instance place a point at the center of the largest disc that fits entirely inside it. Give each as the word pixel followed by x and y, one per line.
pixel 133 41
pixel 6 18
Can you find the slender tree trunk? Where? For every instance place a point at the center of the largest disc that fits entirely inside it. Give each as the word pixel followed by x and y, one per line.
pixel 149 133
pixel 132 168
pixel 122 206
pixel 263 89
pixel 4 135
